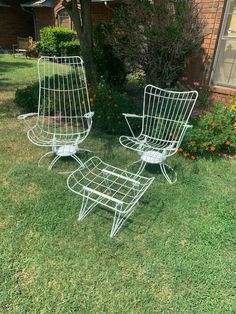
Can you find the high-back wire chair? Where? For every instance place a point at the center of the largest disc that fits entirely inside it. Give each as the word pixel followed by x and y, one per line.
pixel 64 117
pixel 164 123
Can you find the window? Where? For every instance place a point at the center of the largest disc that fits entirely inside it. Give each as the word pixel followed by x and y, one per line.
pixel 224 73
pixel 64 19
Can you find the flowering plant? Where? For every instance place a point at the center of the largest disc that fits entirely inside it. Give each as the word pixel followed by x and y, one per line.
pixel 214 132
pixel 109 105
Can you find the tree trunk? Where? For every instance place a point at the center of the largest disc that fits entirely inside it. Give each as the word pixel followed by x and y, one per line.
pixel 83 25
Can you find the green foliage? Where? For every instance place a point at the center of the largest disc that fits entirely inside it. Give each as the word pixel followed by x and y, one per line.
pixel 27 97
pixel 214 132
pixel 70 48
pixel 109 104
pixel 157 37
pixel 53 40
pixel 108 66
pixel 184 84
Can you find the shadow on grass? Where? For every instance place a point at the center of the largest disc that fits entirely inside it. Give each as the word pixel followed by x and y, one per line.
pixel 6 67
pixel 141 219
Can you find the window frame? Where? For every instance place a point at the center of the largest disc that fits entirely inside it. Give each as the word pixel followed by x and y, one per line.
pixel 221 39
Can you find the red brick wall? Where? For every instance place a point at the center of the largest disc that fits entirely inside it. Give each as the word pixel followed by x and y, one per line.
pixel 43 17
pixel 14 22
pixel 200 67
pixel 102 13
pixel 212 11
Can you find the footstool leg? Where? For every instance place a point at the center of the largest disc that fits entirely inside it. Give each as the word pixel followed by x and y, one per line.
pixel 85 209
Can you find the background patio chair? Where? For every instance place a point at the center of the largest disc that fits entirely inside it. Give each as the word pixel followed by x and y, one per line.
pixel 164 123
pixel 64 117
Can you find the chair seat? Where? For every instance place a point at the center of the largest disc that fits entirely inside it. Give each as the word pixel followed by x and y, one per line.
pixel 42 138
pixel 113 188
pixel 150 150
pixel 153 157
pixel 108 185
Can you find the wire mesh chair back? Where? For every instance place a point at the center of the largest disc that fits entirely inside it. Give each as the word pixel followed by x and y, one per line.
pixel 63 99
pixel 165 114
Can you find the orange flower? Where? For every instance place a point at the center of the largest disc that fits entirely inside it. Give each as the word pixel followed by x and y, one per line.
pixel 186 154
pixel 180 149
pixel 212 148
pixel 191 143
pixel 193 157
pixel 91 99
pixel 227 143
pixel 92 105
pixel 83 102
pixel 213 124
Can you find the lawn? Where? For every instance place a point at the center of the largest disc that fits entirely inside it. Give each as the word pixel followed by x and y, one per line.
pixel 176 254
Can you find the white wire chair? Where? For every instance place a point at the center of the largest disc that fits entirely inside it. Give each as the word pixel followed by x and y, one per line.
pixel 164 123
pixel 113 188
pixel 64 117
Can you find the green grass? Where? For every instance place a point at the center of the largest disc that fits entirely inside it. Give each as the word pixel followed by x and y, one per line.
pixel 176 254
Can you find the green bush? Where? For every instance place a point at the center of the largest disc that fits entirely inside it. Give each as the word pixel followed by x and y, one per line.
pixel 27 98
pixel 109 104
pixel 70 48
pixel 157 37
pixel 52 40
pixel 108 66
pixel 214 132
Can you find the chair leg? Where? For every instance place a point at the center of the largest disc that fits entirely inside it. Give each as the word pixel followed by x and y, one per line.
pixel 77 159
pixel 163 170
pixel 141 167
pixel 53 162
pixel 85 209
pixel 118 221
pixel 48 153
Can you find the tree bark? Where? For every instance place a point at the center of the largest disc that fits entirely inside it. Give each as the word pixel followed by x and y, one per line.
pixel 82 20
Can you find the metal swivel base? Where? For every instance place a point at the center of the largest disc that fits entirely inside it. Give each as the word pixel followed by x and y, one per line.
pixel 64 151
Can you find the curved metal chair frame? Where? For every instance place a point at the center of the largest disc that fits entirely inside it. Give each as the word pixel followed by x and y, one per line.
pixel 64 117
pixel 113 188
pixel 164 123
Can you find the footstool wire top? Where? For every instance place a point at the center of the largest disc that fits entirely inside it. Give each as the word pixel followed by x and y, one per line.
pixel 109 186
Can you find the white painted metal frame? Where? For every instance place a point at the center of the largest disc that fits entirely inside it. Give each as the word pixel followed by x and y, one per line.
pixel 164 123
pixel 64 117
pixel 113 188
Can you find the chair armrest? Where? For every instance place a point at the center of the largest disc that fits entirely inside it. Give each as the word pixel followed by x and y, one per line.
pixel 27 115
pixel 89 115
pixel 132 115
pixel 188 126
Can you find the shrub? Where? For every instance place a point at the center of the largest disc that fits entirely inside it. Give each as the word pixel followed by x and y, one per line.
pixel 70 48
pixel 52 40
pixel 157 37
pixel 27 98
pixel 184 84
pixel 214 132
pixel 108 66
pixel 109 104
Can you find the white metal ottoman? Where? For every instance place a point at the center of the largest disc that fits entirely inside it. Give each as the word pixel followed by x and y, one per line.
pixel 102 184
